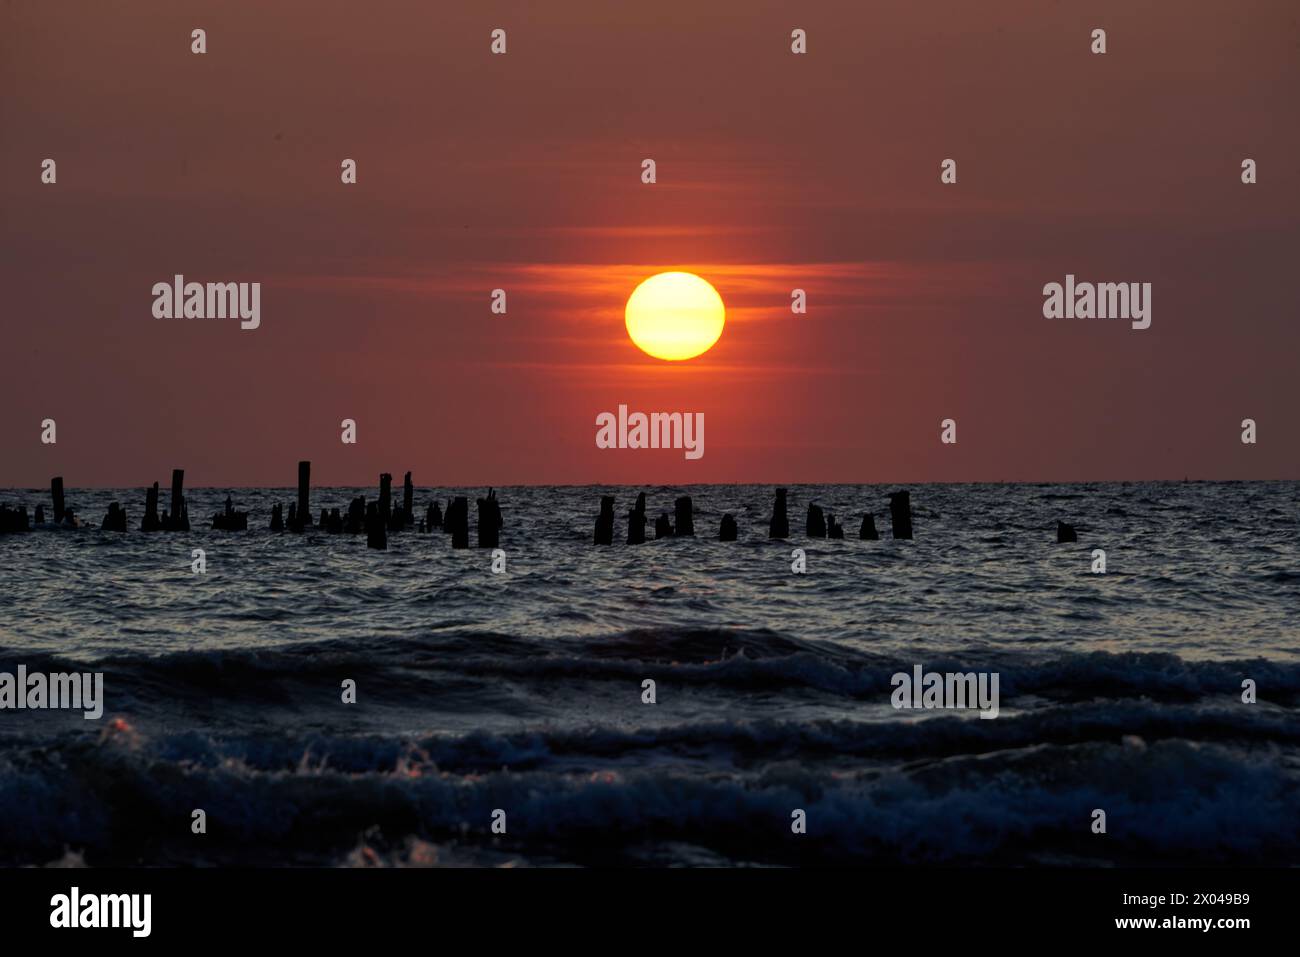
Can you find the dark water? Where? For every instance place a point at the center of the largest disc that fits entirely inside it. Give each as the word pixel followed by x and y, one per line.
pixel 522 691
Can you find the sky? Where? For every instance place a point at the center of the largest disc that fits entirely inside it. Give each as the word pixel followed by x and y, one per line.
pixel 522 171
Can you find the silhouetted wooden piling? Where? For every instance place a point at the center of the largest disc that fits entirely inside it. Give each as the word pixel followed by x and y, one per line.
pixel 385 497
pixel 1065 533
pixel 56 493
pixel 151 522
pixel 868 531
pixel 304 495
pixel 636 522
pixel 816 524
pixel 683 517
pixel 663 527
pixel 489 520
pixel 458 519
pixel 115 520
pixel 277 518
pixel 433 518
pixel 605 521
pixel 779 527
pixel 376 528
pixel 14 520
pixel 40 515
pixel 229 520
pixel 408 500
pixel 900 513
pixel 833 528
pixel 178 520
pixel 356 521
pixel 727 529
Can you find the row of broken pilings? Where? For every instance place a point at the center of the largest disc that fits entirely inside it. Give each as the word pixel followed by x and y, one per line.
pixel 683 511
pixel 376 518
pixel 177 519
pixel 819 524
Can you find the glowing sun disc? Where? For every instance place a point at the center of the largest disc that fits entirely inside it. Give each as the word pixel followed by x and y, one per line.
pixel 674 315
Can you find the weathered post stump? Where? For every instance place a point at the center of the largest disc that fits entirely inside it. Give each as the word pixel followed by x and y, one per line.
pixel 458 519
pixel 115 520
pixel 779 527
pixel 304 495
pixel 605 521
pixel 816 525
pixel 151 522
pixel 489 521
pixel 636 522
pixel 900 513
pixel 684 517
pixel 376 528
pixel 56 493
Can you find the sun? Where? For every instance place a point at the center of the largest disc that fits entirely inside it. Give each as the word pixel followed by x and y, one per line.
pixel 674 315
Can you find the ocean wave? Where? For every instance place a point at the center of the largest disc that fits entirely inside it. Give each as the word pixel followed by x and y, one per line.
pixel 1167 802
pixel 393 665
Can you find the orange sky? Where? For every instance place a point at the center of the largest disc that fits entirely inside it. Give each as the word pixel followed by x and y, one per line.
pixel 523 172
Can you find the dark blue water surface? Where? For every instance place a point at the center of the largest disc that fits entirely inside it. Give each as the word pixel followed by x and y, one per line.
pixel 522 691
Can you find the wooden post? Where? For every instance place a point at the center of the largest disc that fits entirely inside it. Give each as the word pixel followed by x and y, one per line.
pixel 56 493
pixel 663 527
pixel 376 529
pixel 178 493
pixel 779 527
pixel 636 522
pixel 459 521
pixel 115 520
pixel 356 522
pixel 816 526
pixel 900 513
pixel 1065 533
pixel 385 497
pixel 408 501
pixel 15 519
pixel 304 495
pixel 727 531
pixel 605 521
pixel 868 531
pixel 150 522
pixel 684 514
pixel 489 520
pixel 179 514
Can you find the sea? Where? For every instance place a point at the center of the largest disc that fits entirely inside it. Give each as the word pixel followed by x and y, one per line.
pixel 505 718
